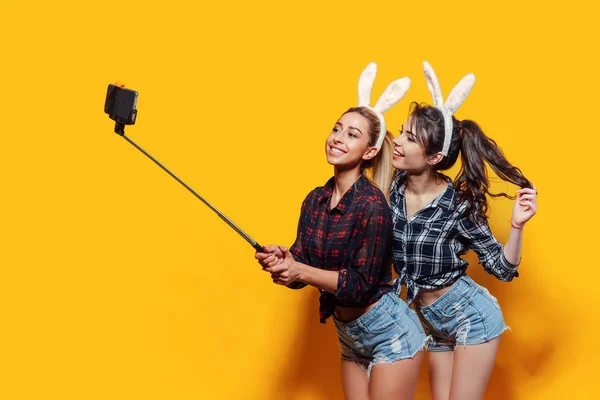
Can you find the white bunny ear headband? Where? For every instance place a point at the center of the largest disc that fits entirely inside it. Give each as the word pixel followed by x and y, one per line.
pixel 392 95
pixel 455 99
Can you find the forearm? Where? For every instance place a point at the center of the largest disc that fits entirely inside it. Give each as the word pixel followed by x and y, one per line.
pixel 512 248
pixel 319 278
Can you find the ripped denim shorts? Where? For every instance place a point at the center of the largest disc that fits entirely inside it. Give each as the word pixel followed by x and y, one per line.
pixel 467 314
pixel 388 332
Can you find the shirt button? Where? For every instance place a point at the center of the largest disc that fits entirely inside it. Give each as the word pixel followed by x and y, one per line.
pixel 425 311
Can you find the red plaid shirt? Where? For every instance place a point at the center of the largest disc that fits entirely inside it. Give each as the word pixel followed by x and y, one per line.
pixel 354 238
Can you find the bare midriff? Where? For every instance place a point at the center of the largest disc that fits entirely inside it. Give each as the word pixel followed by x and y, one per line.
pixel 348 314
pixel 426 297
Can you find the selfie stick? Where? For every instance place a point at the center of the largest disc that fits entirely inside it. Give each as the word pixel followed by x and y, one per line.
pixel 120 130
pixel 252 242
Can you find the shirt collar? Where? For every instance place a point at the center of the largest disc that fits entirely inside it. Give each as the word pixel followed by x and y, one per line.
pixel 345 202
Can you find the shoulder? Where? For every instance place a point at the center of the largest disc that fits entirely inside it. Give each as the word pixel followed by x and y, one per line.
pixel 453 202
pixel 319 192
pixel 468 219
pixel 371 198
pixel 324 190
pixel 397 187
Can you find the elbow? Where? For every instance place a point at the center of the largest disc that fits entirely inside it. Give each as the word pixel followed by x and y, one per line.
pixel 353 289
pixel 354 298
pixel 510 276
pixel 352 301
pixel 507 278
pixel 503 275
pixel 501 268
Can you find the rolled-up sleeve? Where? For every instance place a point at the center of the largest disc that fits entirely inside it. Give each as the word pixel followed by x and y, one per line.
pixel 296 249
pixel 357 284
pixel 489 250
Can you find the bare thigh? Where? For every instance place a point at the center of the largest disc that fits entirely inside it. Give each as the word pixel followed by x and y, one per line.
pixel 441 364
pixel 473 365
pixel 397 380
pixel 354 381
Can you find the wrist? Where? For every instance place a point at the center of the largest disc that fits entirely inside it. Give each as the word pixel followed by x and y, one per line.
pixel 300 271
pixel 516 226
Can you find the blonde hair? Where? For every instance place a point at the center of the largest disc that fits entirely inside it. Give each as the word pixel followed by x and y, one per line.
pixel 379 169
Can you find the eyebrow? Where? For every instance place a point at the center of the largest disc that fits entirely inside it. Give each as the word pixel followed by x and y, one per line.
pixel 353 127
pixel 406 131
pixel 350 127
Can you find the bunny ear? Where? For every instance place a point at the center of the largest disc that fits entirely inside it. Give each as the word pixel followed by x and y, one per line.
pixel 365 84
pixel 392 95
pixel 459 93
pixel 433 85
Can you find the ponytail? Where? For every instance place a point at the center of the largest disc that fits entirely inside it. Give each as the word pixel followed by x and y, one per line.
pixel 472 182
pixel 382 169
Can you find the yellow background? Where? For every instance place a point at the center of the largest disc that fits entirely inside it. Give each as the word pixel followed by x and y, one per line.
pixel 117 284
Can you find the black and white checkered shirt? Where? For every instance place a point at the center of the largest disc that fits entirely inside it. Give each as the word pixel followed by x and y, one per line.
pixel 429 246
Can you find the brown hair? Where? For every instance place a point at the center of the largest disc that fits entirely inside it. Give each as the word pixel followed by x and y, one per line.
pixel 476 150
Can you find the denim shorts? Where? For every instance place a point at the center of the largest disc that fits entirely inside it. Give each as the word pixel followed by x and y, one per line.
pixel 467 314
pixel 388 332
